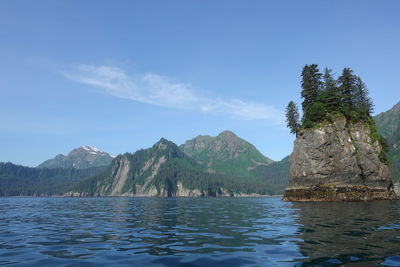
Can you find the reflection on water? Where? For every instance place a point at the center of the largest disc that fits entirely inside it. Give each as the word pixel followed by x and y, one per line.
pixel 196 232
pixel 362 232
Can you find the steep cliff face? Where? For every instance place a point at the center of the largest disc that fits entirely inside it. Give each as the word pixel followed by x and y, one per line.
pixel 166 170
pixel 338 161
pixel 133 174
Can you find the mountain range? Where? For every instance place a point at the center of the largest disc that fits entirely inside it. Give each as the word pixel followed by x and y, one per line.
pixel 224 165
pixel 203 166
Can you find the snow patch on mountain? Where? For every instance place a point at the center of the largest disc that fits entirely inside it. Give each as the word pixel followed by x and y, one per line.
pixel 92 150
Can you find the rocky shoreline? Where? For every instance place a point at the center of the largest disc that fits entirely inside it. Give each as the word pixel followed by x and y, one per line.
pixel 322 193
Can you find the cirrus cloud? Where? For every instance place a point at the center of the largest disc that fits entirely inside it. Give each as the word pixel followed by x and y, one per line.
pixel 157 90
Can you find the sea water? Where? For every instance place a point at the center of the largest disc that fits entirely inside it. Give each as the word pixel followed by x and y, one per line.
pixel 197 232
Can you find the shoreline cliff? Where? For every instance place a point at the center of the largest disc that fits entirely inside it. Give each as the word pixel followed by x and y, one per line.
pixel 338 161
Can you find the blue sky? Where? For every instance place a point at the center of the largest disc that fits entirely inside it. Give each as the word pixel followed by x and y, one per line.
pixel 119 75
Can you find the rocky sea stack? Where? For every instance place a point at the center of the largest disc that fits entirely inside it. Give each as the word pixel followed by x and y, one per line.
pixel 338 161
pixel 338 154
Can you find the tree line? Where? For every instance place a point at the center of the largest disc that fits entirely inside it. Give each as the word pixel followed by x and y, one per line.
pixel 16 180
pixel 210 184
pixel 324 95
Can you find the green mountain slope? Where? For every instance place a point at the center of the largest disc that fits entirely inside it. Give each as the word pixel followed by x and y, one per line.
pixel 165 170
pixel 16 180
pixel 210 166
pixel 275 175
pixel 226 154
pixel 79 158
pixel 388 124
pixel 162 170
pixel 232 156
pixel 131 174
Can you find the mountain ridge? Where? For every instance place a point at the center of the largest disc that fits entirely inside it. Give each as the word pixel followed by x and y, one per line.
pixel 225 153
pixel 166 169
pixel 80 158
pixel 274 174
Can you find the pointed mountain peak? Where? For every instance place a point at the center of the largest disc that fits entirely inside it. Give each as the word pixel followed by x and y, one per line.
pixel 227 134
pixel 87 150
pixel 80 158
pixel 224 147
pixel 163 143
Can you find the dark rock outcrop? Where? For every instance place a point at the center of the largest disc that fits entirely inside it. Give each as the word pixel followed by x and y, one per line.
pixel 338 161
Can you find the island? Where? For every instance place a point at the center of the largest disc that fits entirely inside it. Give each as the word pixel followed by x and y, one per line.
pixel 338 154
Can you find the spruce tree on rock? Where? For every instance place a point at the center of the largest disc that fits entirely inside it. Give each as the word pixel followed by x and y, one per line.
pixel 347 84
pixel 363 103
pixel 323 96
pixel 311 85
pixel 292 117
pixel 330 95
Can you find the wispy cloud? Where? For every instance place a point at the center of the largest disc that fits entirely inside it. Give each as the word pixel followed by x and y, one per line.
pixel 160 91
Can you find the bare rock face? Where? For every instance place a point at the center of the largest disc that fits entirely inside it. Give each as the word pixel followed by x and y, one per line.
pixel 396 188
pixel 338 161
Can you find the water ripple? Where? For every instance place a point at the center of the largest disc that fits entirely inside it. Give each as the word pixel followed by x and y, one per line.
pixel 197 232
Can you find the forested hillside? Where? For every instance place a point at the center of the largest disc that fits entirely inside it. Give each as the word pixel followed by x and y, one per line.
pixel 168 170
pixel 388 124
pixel 16 180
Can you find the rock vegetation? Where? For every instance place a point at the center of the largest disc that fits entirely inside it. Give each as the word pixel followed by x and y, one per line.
pixel 338 154
pixel 338 161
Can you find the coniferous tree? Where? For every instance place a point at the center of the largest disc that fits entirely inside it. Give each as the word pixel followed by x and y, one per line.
pixel 311 85
pixel 330 95
pixel 347 83
pixel 324 95
pixel 292 117
pixel 363 102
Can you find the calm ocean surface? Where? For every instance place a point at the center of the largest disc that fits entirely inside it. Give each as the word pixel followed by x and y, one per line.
pixel 197 232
